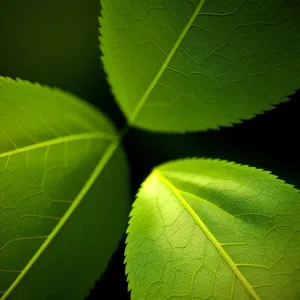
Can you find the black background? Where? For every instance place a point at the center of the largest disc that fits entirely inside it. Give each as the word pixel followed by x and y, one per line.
pixel 55 42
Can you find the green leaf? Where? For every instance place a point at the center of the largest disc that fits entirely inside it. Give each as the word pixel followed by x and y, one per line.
pixel 209 229
pixel 63 193
pixel 193 65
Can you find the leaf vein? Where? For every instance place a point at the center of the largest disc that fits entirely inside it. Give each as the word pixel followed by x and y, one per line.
pixel 103 161
pixel 164 66
pixel 60 140
pixel 209 234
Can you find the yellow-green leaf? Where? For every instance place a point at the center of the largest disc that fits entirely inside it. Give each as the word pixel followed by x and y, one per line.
pixel 210 229
pixel 63 193
pixel 188 65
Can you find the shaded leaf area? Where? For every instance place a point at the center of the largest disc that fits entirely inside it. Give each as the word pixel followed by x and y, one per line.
pixel 195 65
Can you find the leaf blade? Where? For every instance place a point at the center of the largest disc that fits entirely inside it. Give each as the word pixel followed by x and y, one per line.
pixel 229 66
pixel 243 246
pixel 50 190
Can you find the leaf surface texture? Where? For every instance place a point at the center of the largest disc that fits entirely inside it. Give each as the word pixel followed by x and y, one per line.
pixel 210 229
pixel 63 193
pixel 178 66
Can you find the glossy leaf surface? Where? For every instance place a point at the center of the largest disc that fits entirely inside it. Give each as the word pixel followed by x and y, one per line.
pixel 209 229
pixel 63 193
pixel 177 66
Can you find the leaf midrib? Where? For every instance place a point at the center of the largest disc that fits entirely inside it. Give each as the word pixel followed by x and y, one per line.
pixel 97 171
pixel 148 91
pixel 209 234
